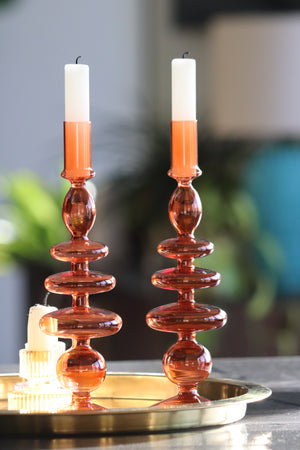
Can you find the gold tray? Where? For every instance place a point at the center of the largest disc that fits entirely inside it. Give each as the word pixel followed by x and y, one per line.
pixel 129 397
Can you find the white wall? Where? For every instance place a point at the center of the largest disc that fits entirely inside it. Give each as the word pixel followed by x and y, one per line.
pixel 36 39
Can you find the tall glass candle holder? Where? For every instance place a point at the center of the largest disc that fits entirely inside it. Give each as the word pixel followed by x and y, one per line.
pixel 186 363
pixel 81 369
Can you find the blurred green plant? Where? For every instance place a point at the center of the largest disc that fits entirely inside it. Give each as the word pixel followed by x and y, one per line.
pixel 7 2
pixel 231 222
pixel 30 220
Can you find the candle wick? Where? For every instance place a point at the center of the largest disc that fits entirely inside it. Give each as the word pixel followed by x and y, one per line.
pixel 46 298
pixel 77 59
pixel 185 53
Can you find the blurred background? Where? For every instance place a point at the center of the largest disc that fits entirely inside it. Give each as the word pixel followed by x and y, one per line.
pixel 248 93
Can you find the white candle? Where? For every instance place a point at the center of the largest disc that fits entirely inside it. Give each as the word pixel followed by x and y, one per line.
pixel 77 93
pixel 183 89
pixel 36 339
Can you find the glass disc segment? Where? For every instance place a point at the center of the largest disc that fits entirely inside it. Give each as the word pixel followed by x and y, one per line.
pixel 196 278
pixel 81 323
pixel 193 317
pixel 80 250
pixel 79 283
pixel 185 247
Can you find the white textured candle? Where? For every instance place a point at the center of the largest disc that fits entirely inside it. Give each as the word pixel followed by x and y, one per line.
pixel 36 339
pixel 77 93
pixel 183 89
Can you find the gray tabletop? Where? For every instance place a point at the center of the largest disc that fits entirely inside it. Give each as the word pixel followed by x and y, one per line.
pixel 273 423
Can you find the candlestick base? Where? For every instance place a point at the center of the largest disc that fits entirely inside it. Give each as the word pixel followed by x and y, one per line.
pixel 186 363
pixel 81 369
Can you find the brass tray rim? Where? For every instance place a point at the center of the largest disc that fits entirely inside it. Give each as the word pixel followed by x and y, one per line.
pixel 255 392
pixel 136 419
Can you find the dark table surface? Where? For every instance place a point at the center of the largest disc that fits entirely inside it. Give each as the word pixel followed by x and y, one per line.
pixel 273 423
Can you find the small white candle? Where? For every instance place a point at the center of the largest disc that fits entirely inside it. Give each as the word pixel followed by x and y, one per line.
pixel 77 93
pixel 183 89
pixel 36 339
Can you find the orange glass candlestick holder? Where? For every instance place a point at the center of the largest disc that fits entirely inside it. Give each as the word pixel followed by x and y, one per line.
pixel 81 369
pixel 186 363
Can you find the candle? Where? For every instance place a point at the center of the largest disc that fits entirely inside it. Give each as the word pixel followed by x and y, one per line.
pixel 77 126
pixel 39 357
pixel 184 153
pixel 77 94
pixel 183 89
pixel 36 339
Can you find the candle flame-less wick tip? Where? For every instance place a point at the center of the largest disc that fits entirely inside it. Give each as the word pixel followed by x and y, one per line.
pixel 185 53
pixel 46 298
pixel 77 59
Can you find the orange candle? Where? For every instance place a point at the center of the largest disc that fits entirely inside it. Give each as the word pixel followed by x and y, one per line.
pixel 77 126
pixel 77 137
pixel 184 153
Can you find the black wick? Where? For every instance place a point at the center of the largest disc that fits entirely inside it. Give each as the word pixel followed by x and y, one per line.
pixel 185 53
pixel 46 298
pixel 77 59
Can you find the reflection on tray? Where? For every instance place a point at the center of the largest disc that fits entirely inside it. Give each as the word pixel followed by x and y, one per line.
pixel 46 397
pixel 129 399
